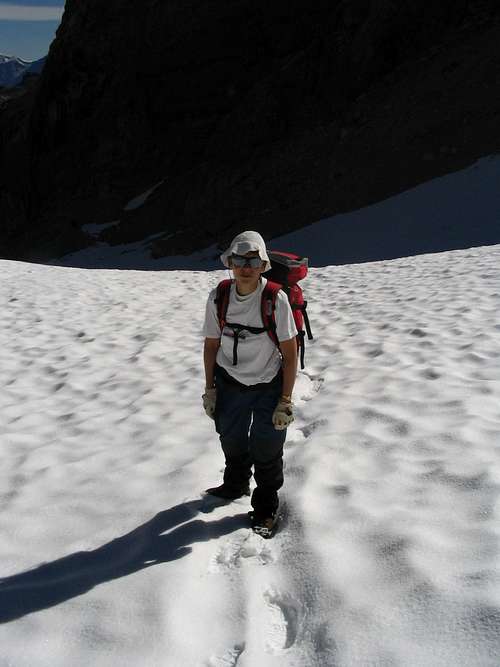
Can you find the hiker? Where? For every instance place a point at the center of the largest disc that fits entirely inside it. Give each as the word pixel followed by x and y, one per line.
pixel 249 380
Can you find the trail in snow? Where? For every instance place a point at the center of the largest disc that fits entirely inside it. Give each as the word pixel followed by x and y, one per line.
pixel 406 468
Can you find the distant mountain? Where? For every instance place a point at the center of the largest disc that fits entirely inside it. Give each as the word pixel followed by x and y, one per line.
pixel 36 66
pixel 13 70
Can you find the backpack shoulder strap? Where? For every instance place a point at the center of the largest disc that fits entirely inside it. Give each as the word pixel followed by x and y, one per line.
pixel 222 301
pixel 268 308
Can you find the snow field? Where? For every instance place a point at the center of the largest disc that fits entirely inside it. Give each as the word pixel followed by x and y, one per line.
pixel 387 553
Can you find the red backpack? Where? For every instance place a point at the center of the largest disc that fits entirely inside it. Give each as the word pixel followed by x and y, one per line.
pixel 287 269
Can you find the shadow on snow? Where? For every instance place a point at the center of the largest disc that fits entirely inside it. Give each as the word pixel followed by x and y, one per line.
pixel 70 576
pixel 452 212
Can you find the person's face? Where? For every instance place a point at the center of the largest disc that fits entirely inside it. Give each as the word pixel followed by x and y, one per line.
pixel 247 274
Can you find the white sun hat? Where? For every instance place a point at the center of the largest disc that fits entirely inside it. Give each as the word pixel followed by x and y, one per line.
pixel 247 242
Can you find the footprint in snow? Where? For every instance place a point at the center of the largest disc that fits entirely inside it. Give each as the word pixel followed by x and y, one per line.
pixel 229 658
pixel 249 550
pixel 307 386
pixel 282 622
pixel 309 429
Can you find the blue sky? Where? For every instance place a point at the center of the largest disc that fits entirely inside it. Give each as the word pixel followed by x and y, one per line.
pixel 27 27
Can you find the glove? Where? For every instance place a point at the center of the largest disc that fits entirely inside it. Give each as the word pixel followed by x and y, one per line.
pixel 209 400
pixel 283 414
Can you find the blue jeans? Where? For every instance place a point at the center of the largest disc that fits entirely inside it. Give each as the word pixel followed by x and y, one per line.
pixel 243 420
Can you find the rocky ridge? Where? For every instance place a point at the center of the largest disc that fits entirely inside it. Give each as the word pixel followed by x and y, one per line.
pixel 246 115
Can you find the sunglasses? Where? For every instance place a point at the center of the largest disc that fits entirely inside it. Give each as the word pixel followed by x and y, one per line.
pixel 241 261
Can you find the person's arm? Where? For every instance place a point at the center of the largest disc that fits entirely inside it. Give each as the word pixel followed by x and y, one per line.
pixel 210 349
pixel 289 362
pixel 283 414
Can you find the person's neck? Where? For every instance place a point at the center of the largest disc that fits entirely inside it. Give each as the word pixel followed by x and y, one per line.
pixel 245 290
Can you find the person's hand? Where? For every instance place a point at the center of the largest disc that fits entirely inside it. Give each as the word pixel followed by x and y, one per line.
pixel 209 400
pixel 283 414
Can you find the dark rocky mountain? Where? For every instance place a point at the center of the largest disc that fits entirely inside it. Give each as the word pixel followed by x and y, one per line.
pixel 252 114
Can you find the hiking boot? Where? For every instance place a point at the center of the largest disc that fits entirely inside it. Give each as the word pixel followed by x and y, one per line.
pixel 265 526
pixel 229 492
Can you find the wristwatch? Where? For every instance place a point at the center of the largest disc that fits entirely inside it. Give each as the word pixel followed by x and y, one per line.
pixel 287 399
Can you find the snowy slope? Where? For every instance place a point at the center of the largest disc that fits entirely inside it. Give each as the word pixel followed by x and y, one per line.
pixel 418 219
pixel 388 552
